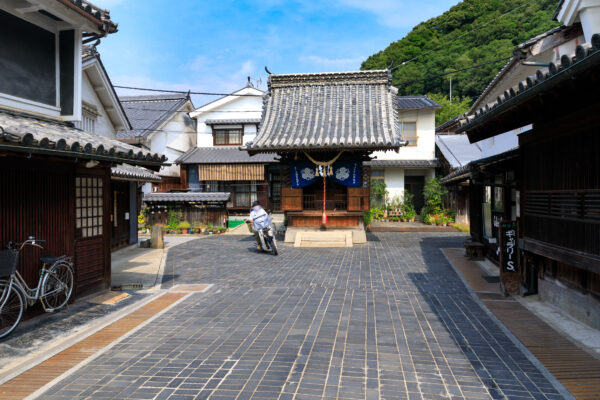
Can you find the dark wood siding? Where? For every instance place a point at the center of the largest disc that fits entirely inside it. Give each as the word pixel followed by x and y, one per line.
pixel 561 187
pixel 36 199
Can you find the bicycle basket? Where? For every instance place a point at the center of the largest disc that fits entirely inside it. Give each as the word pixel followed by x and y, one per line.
pixel 8 262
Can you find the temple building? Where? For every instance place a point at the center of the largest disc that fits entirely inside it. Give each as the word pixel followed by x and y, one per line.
pixel 324 126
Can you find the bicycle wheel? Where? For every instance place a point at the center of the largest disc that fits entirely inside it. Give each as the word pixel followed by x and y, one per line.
pixel 57 286
pixel 11 310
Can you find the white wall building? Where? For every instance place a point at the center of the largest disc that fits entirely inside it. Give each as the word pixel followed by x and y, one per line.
pixel 161 124
pixel 416 162
pixel 218 165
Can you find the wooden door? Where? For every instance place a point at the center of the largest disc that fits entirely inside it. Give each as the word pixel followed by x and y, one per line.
pixel 92 231
pixel 358 199
pixel 291 199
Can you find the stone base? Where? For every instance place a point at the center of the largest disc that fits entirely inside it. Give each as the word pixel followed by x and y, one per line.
pixel 582 307
pixel 359 235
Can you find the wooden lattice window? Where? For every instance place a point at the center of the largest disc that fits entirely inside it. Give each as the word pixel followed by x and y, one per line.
pixel 88 206
pixel 227 137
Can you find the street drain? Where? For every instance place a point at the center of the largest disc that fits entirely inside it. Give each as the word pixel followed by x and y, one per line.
pixel 129 286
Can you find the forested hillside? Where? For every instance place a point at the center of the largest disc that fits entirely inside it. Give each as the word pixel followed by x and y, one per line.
pixel 445 44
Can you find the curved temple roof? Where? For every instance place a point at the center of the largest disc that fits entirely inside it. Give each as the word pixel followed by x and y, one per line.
pixel 329 111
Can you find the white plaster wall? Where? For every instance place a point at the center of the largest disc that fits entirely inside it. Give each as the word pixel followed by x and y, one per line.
pixel 425 148
pixel 104 126
pixel 172 139
pixel 394 180
pixel 230 108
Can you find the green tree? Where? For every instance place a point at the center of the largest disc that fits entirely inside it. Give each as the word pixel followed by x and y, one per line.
pixel 445 43
pixel 449 111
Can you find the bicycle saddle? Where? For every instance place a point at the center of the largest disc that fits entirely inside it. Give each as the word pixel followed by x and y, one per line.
pixel 49 260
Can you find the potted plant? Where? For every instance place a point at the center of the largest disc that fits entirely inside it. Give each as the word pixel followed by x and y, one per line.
pixel 184 227
pixel 368 218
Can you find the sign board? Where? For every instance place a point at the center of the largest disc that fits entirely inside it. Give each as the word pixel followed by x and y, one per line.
pixel 509 256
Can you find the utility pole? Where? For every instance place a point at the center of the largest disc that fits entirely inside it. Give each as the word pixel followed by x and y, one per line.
pixel 450 89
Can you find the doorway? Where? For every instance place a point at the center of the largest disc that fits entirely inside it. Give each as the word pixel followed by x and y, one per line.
pixel 414 185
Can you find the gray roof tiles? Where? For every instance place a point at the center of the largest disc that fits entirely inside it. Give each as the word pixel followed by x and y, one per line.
pixel 131 173
pixel 147 113
pixel 404 163
pixel 329 111
pixel 187 197
pixel 457 149
pixel 415 102
pixel 224 155
pixel 43 136
pixel 237 121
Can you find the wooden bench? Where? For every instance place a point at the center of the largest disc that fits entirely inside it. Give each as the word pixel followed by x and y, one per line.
pixel 474 250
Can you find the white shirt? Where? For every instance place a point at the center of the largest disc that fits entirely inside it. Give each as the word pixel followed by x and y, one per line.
pixel 260 219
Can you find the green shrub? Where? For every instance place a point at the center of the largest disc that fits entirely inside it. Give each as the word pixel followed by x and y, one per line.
pixel 368 217
pixel 174 218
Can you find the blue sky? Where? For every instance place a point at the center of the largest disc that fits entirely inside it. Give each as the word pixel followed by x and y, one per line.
pixel 213 46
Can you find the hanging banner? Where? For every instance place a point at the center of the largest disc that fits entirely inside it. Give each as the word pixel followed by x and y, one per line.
pixel 347 173
pixel 302 174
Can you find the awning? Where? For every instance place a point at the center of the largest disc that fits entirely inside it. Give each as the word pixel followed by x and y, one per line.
pixel 231 172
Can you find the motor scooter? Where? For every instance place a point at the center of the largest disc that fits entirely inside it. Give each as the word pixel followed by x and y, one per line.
pixel 266 235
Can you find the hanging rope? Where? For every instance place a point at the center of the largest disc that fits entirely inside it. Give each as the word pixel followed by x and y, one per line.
pixel 327 169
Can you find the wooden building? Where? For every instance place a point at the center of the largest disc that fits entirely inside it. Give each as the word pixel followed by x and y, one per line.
pixel 55 179
pixel 195 208
pixel 324 126
pixel 559 177
pixel 231 170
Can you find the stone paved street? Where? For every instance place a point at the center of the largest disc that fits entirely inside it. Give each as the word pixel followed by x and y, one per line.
pixel 387 320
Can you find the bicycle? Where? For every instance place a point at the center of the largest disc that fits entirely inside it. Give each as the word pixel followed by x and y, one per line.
pixel 54 288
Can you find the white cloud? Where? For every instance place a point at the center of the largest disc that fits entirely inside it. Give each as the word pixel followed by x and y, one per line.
pixel 400 13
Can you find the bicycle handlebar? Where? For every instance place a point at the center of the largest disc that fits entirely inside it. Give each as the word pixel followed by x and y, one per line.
pixel 30 241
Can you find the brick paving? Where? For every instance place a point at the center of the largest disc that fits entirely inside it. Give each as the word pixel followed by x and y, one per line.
pixel 388 320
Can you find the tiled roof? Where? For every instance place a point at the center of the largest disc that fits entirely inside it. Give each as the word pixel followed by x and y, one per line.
pixel 147 113
pixel 101 16
pixel 338 110
pixel 586 56
pixel 224 155
pixel 131 173
pixel 518 52
pixel 458 174
pixel 415 103
pixel 187 196
pixel 232 121
pixel 404 163
pixel 457 149
pixel 30 134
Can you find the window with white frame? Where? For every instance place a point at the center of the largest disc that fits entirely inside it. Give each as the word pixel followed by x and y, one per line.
pixel 409 132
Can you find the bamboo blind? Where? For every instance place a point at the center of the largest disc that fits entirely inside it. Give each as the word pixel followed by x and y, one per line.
pixel 231 172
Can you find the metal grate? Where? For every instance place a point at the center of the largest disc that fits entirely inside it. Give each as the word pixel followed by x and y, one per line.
pixel 8 262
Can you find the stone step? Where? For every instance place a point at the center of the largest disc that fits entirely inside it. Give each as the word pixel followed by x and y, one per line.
pixel 323 239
